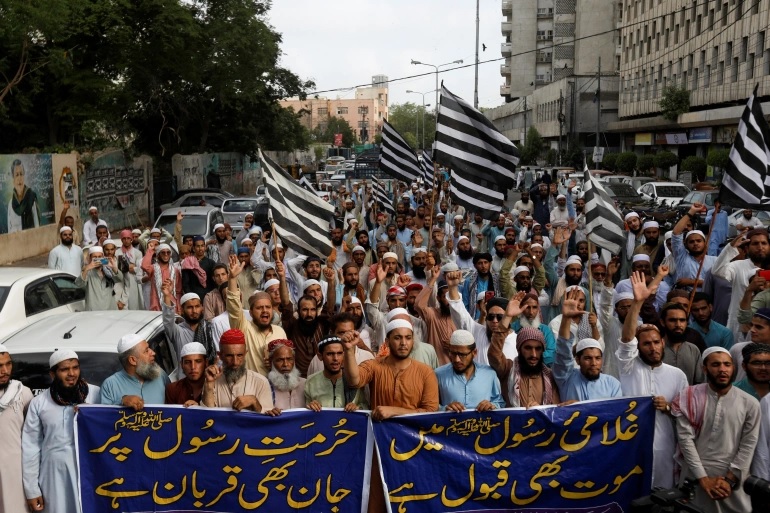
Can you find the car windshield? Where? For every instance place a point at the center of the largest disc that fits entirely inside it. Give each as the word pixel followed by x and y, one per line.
pixel 191 224
pixel 3 296
pixel 32 368
pixel 621 189
pixel 239 205
pixel 671 191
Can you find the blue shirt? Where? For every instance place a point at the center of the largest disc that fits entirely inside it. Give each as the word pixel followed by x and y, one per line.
pixel 718 335
pixel 686 265
pixel 747 387
pixel 122 383
pixel 719 232
pixel 483 386
pixel 550 341
pixel 571 382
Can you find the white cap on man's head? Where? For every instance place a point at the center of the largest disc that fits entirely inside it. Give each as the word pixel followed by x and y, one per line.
pixel 462 338
pixel 270 283
pixel 189 296
pixel 641 257
pixel 713 349
pixel 650 224
pixel 92 208
pixel 59 356
pixel 192 348
pixel 65 229
pixel 587 343
pixel 129 342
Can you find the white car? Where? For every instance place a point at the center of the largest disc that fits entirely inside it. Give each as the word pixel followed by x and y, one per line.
pixel 93 336
pixel 30 294
pixel 734 218
pixel 664 193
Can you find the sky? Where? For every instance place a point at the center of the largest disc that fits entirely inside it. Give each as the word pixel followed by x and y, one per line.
pixel 341 44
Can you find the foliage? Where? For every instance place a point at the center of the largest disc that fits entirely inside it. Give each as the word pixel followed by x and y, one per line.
pixel 574 156
pixel 318 152
pixel 552 157
pixel 335 125
pixel 665 159
pixel 378 139
pixel 404 118
pixel 609 161
pixel 696 165
pixel 626 162
pixel 674 101
pixel 533 147
pixel 718 158
pixel 645 162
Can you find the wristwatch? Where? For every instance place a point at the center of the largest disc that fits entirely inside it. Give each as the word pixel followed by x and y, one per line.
pixel 733 484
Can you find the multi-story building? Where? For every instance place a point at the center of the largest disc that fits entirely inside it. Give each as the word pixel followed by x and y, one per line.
pixel 717 50
pixel 369 109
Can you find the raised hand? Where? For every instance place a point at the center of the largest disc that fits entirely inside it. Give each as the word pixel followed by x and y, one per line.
pixel 403 280
pixel 280 269
pixel 418 238
pixel 382 273
pixel 332 258
pixel 513 310
pixel 167 289
pixel 329 274
pixel 570 306
pixel 236 266
pixel 639 285
pixel 663 271
pixel 453 278
pixel 179 216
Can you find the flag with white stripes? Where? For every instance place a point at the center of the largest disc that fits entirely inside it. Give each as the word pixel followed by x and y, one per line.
pixel 305 183
pixel 381 197
pixel 604 224
pixel 476 195
pixel 746 183
pixel 427 169
pixel 301 219
pixel 397 159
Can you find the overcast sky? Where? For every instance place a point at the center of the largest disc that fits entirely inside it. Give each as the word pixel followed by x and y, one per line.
pixel 342 43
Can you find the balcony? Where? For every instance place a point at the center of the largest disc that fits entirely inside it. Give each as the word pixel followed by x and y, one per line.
pixel 505 49
pixel 505 90
pixel 544 14
pixel 544 57
pixel 545 37
pixel 507 7
pixel 505 69
pixel 542 81
pixel 506 27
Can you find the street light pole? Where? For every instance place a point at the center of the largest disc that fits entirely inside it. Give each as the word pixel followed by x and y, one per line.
pixel 423 114
pixel 423 126
pixel 458 61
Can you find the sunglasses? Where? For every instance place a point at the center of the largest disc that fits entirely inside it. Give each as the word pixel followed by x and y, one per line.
pixel 495 317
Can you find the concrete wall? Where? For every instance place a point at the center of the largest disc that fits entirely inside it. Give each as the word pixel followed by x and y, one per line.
pixel 233 172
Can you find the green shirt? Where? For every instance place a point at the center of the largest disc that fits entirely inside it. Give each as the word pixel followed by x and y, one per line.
pixel 332 395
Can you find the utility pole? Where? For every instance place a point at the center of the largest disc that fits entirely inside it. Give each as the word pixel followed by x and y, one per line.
pixel 561 122
pixel 598 106
pixel 525 121
pixel 476 80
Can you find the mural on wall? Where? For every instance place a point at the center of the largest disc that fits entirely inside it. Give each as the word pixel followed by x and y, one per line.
pixel 26 192
pixel 112 186
pixel 232 172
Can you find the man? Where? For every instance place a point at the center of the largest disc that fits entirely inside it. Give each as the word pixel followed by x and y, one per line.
pixel 133 278
pixel 14 401
pixel 652 242
pixel 194 328
pixel 419 260
pixel 543 202
pixel 438 320
pixel 99 278
pixel 717 426
pixel 49 469
pixel 286 384
pixel 559 215
pixel 339 325
pixel 160 271
pixel 68 220
pixel 350 285
pixel 388 263
pixel 359 256
pixel 713 333
pixel 311 270
pixel 403 234
pixel 328 388
pixel 642 263
pixel 141 381
pixel 525 206
pixel 67 256
pixel 759 333
pixel 338 244
pixel 464 384
pixel 756 365
pixel 477 230
pixel 643 373
pixel 214 303
pixel 572 277
pixel 233 385
pixel 250 278
pixel 189 390
pixel 482 280
pixel 587 382
pixel 529 317
pixel 258 331
pixel 678 351
pixel 634 237
pixel 747 221
pixel 198 269
pixel 464 258
pixel 220 248
pixel 89 227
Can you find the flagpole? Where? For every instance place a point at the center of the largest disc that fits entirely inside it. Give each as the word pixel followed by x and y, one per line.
pixel 590 277
pixel 432 205
pixel 700 267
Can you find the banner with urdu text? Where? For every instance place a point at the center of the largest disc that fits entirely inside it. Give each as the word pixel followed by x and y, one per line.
pixel 592 456
pixel 174 459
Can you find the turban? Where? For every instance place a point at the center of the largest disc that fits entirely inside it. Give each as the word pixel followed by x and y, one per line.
pixel 529 334
pixel 398 323
pixel 273 344
pixel 329 340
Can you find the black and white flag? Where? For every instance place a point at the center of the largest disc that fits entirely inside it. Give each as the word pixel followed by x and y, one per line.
pixel 381 197
pixel 305 182
pixel 300 217
pixel 746 183
pixel 604 224
pixel 397 159
pixel 427 169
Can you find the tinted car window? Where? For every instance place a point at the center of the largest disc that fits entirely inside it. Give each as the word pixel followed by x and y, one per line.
pixel 68 290
pixel 162 348
pixel 671 191
pixel 621 189
pixel 214 200
pixel 39 297
pixel 193 201
pixel 191 224
pixel 32 368
pixel 240 205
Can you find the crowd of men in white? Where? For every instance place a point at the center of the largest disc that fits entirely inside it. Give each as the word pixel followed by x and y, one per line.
pixel 434 309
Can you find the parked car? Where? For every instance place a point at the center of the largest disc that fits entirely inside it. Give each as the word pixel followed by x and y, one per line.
pixel 93 336
pixel 29 294
pixel 623 194
pixel 235 209
pixel 197 198
pixel 637 181
pixel 664 193
pixel 706 197
pixel 734 218
pixel 197 220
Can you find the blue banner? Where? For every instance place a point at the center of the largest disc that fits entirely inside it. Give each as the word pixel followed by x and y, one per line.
pixel 593 456
pixel 174 459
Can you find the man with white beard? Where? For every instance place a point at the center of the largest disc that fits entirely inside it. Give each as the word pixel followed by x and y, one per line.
pixel 530 318
pixel 285 381
pixel 141 381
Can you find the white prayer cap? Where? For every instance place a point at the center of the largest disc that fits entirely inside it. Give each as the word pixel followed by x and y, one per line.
pixel 462 238
pixel 630 215
pixel 218 226
pixel 668 235
pixel 60 355
pixel 620 296
pixel 162 247
pixel 95 249
pixel 530 218
pixel 359 248
pixel 574 287
pixel 405 195
pixel 102 223
pixel 499 238
pixel 389 254
pixel 641 257
pixel 587 343
pixel 458 217
pixel 92 208
pixel 109 241
pixel 355 301
pixel 419 250
pixel 65 229
pixel 695 232
pixel 450 267
pixel 502 216
pixel 309 283
pixel 255 230
pixel 462 338
pixel 128 342
pixel 136 231
pixel 192 348
pixel 398 323
pixel 3 349
pixel 561 196
pixel 189 296
pixel 574 260
pixel 155 230
pixel 520 269
pixel 535 245
pixel 650 224
pixel 270 283
pixel 393 313
pixel 713 349
pixel 515 213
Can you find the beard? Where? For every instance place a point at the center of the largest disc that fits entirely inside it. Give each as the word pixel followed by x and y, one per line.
pixel 651 242
pixel 337 241
pixel 647 361
pixel 419 272
pixel 358 320
pixel 5 385
pixel 714 383
pixel 307 326
pixel 191 321
pixel 135 243
pixel 465 254
pixel 675 338
pixel 528 370
pixel 67 242
pixel 570 281
pixel 444 309
pixel 220 240
pixel 285 382
pixel 233 374
pixel 579 210
pixel 526 323
pixel 366 245
pixel 499 253
pixel 148 371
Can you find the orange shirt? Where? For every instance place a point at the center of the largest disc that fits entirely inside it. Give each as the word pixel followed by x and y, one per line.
pixel 414 388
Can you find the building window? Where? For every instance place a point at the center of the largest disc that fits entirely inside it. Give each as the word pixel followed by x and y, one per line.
pixel 724 14
pixel 750 67
pixel 744 48
pixel 766 63
pixel 342 110
pixel 721 73
pixel 323 111
pixel 711 19
pixel 735 69
pixel 695 78
pixel 707 76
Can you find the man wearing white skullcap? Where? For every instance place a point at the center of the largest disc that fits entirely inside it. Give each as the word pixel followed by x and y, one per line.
pixel 89 227
pixel 587 381
pixel 689 251
pixel 99 277
pixel 49 470
pixel 641 263
pixel 464 258
pixel 652 240
pixel 194 328
pixel 634 237
pixel 717 426
pixel 141 381
pixel 14 400
pixel 159 268
pixel 563 211
pixel 189 390
pixel 220 247
pixel 465 384
pixel 66 256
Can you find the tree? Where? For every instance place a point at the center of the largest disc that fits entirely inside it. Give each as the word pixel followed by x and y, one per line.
pixel 609 161
pixel 533 147
pixel 719 159
pixel 696 165
pixel 674 101
pixel 645 162
pixel 405 118
pixel 665 159
pixel 334 126
pixel 551 157
pixel 626 162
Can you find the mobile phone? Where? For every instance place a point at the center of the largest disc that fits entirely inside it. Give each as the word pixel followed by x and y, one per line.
pixel 104 261
pixel 488 295
pixel 764 274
